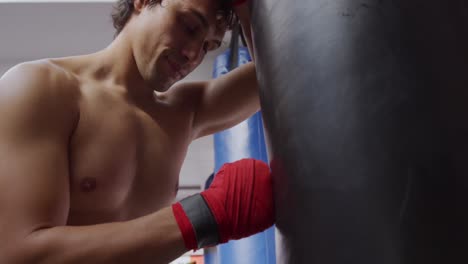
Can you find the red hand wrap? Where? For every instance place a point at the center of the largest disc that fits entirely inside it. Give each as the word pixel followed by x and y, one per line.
pixel 241 199
pixel 239 203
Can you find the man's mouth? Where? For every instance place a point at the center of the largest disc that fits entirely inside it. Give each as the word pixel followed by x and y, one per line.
pixel 177 70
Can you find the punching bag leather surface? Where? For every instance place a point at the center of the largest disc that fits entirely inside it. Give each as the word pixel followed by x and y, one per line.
pixel 365 104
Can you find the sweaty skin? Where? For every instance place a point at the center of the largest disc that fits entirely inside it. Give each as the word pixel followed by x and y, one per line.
pixel 91 146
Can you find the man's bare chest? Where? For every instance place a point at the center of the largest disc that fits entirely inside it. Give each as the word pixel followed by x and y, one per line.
pixel 125 163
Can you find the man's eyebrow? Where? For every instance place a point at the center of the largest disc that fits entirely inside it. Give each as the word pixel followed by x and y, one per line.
pixel 201 17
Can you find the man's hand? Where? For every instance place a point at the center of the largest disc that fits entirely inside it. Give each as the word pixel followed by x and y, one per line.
pixel 239 203
pixel 238 2
pixel 242 8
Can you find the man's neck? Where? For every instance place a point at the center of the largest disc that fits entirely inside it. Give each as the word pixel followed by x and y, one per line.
pixel 116 65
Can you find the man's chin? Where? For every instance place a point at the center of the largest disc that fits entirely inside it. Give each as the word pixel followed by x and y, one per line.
pixel 163 87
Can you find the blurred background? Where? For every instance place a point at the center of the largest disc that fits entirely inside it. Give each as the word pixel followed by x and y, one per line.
pixel 31 30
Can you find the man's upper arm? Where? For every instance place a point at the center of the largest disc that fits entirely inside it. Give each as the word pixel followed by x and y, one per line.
pixel 226 101
pixel 36 120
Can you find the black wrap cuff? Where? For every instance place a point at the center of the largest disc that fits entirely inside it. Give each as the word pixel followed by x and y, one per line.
pixel 202 220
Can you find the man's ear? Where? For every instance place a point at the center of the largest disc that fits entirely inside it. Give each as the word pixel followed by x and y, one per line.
pixel 138 5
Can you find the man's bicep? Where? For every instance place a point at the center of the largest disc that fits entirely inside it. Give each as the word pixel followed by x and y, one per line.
pixel 34 133
pixel 34 189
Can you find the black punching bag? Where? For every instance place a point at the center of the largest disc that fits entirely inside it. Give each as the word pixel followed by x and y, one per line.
pixel 366 109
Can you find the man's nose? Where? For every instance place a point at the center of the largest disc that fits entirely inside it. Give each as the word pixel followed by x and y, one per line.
pixel 192 51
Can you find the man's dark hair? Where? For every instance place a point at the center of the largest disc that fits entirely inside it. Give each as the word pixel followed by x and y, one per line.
pixel 123 10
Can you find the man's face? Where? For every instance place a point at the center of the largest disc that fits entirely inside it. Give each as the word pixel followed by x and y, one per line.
pixel 172 38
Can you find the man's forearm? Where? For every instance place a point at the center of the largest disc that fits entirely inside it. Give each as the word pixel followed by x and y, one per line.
pixel 154 238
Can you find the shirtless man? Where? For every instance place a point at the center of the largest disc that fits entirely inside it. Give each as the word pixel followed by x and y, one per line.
pixel 91 146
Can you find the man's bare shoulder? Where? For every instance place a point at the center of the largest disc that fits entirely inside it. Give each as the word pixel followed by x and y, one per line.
pixel 39 77
pixel 38 86
pixel 41 74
